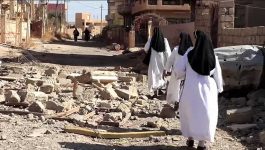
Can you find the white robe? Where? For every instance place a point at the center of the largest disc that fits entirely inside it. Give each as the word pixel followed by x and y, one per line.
pixel 198 106
pixel 173 89
pixel 156 66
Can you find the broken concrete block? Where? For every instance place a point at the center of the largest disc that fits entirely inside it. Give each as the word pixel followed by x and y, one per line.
pixel 33 96
pixel 113 116
pixel 127 79
pixel 127 94
pixel 239 101
pixel 236 127
pixel 34 81
pixel 141 102
pixel 167 112
pixel 12 96
pixel 123 108
pixel 105 104
pixel 64 81
pixel 142 78
pixel 154 124
pixel 62 74
pixel 104 76
pixel 262 137
pixel 67 105
pixel 242 115
pixel 54 106
pixel 47 88
pixel 52 71
pixel 37 107
pixel 108 93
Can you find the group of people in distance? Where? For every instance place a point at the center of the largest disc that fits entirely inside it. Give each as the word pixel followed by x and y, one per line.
pixel 196 80
pixel 87 34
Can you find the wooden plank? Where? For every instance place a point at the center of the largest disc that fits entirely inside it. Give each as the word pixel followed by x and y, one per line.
pixel 65 114
pixel 112 135
pixel 89 115
pixel 8 78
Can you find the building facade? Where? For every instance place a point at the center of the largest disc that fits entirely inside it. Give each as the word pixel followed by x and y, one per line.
pixel 114 18
pixel 84 20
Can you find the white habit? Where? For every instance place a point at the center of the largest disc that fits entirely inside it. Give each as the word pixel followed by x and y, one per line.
pixel 174 84
pixel 198 106
pixel 156 66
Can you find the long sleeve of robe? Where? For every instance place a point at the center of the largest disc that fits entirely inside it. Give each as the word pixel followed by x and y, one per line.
pixel 156 66
pixel 198 106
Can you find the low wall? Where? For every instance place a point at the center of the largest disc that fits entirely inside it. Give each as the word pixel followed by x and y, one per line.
pixel 242 36
pixel 172 31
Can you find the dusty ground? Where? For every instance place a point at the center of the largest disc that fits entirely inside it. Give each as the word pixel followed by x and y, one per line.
pixel 75 57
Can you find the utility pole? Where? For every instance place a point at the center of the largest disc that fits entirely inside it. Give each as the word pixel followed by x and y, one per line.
pixel 101 25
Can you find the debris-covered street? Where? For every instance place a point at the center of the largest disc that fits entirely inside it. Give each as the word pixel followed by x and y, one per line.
pixel 54 88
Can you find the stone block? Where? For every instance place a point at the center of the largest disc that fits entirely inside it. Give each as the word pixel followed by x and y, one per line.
pixel 127 94
pixel 37 107
pixel 236 127
pixel 127 79
pixel 51 105
pixel 34 81
pixel 242 115
pixel 47 88
pixel 256 94
pixel 227 18
pixel 52 71
pixel 223 11
pixel 33 96
pixel 167 112
pixel 108 93
pixel 229 4
pixel 113 116
pixel 12 97
pixel 124 109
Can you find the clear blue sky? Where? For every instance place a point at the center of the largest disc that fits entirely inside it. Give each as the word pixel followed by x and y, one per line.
pixel 91 6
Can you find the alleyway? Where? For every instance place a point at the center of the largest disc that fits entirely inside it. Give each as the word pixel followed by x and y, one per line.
pixel 30 132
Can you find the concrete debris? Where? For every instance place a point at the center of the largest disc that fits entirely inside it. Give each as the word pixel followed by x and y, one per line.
pixel 47 88
pixel 52 71
pixel 113 116
pixel 242 115
pixel 37 107
pixel 54 106
pixel 34 96
pixel 236 127
pixel 108 93
pixel 124 109
pixel 127 79
pixel 127 94
pixel 12 96
pixel 256 94
pixel 154 124
pixel 239 101
pixel 34 81
pixel 167 112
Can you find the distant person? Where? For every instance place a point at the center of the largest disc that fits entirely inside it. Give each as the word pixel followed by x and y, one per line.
pixel 158 52
pixel 87 34
pixel 198 107
pixel 173 90
pixel 76 34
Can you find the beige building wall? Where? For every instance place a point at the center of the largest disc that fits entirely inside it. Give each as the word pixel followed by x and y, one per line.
pixel 113 17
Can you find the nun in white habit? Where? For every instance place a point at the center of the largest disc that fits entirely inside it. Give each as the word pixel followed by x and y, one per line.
pixel 198 107
pixel 158 52
pixel 173 89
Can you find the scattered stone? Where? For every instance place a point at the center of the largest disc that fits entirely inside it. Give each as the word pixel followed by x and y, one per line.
pixel 127 79
pixel 30 116
pixel 236 127
pixel 34 81
pixel 42 118
pixel 167 112
pixel 251 102
pixel 113 116
pixel 51 71
pixel 38 132
pixel 64 81
pixel 154 124
pixel 124 109
pixel 51 121
pixel 239 101
pixel 242 115
pixel 262 137
pixel 108 93
pixel 143 97
pixel 105 104
pixel 141 102
pixel 33 96
pixel 133 118
pixel 47 88
pixel 127 94
pixel 142 78
pixel 12 97
pixel 3 137
pixel 2 98
pixel 54 106
pixel 37 107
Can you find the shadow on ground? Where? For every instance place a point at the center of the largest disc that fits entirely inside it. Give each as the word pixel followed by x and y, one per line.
pixel 81 43
pixel 84 146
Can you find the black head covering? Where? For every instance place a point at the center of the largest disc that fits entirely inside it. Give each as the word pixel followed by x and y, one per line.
pixel 157 41
pixel 185 43
pixel 202 58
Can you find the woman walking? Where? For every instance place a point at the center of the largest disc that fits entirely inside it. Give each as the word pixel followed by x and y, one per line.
pixel 158 51
pixel 198 106
pixel 173 89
